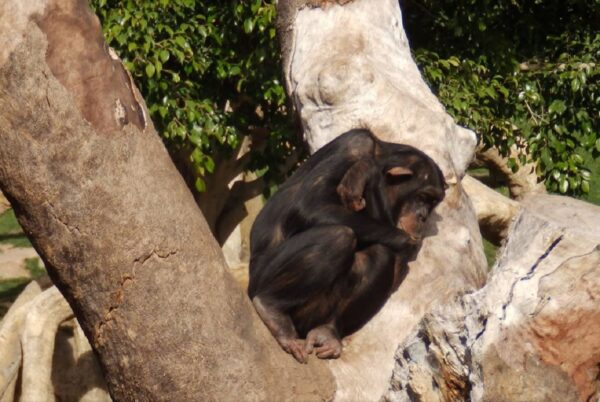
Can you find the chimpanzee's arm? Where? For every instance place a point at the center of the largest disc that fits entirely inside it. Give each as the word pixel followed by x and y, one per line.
pixel 352 186
pixel 282 329
pixel 367 230
pixel 370 231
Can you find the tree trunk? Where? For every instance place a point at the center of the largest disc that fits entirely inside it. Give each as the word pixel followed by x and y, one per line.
pixel 118 230
pixel 348 65
pixel 531 334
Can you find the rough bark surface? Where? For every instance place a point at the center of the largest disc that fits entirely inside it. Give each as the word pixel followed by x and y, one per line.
pixel 349 66
pixel 118 230
pixel 495 212
pixel 531 334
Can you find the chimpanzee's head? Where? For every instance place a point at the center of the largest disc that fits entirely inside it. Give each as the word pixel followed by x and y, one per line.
pixel 414 185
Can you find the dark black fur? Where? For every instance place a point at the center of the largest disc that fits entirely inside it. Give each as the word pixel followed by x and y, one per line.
pixel 316 261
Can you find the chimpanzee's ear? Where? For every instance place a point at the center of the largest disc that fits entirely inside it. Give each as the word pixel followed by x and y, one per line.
pixel 398 171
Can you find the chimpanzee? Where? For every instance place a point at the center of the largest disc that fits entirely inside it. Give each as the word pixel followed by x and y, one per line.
pixel 325 247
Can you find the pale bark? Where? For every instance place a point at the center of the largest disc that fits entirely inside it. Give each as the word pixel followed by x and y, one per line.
pixel 521 183
pixel 349 66
pixel 45 314
pixel 494 211
pixel 29 358
pixel 76 374
pixel 118 230
pixel 10 346
pixel 531 334
pixel 237 246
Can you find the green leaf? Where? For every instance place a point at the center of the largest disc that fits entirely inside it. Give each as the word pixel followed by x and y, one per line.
pixel 162 111
pixel 546 159
pixel 556 174
pixel 454 61
pixel 585 174
pixel 195 139
pixel 248 25
pixel 180 41
pixel 563 185
pixel 150 70
pixel 585 186
pixel 577 158
pixel 164 55
pixel 557 107
pixel 209 164
pixel 573 185
pixel 200 185
pixel 122 38
pixel 491 92
pixel 196 155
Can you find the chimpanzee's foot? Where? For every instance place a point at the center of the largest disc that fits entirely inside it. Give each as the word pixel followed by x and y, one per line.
pixel 295 347
pixel 281 326
pixel 325 341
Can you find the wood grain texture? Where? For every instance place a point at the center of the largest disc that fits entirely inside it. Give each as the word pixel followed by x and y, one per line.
pixel 118 230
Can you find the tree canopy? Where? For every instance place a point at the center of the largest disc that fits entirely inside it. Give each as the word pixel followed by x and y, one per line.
pixel 520 74
pixel 209 72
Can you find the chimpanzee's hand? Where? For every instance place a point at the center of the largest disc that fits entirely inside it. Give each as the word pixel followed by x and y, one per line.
pixel 351 200
pixel 415 240
pixel 400 241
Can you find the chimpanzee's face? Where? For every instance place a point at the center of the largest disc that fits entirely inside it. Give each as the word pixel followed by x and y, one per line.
pixel 414 187
pixel 416 209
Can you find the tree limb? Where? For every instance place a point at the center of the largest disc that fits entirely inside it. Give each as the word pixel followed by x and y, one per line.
pixel 531 333
pixel 349 66
pixel 119 232
pixel 520 183
pixel 495 212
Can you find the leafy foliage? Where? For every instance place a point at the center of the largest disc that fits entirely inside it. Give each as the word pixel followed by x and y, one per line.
pixel 519 73
pixel 208 70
